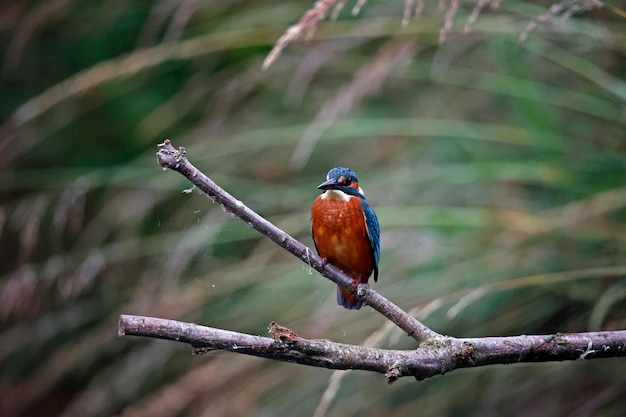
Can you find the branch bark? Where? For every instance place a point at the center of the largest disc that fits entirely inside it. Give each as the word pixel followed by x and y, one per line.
pixel 436 354
pixel 434 357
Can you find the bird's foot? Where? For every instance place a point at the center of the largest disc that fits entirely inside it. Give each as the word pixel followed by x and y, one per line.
pixel 361 289
pixel 324 263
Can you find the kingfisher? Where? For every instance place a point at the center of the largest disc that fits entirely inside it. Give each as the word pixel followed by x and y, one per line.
pixel 346 232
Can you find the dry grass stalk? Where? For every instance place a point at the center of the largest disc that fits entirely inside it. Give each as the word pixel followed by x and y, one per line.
pixel 406 16
pixel 478 8
pixel 358 6
pixel 338 8
pixel 184 13
pixel 159 15
pixel 308 24
pixel 309 65
pixel 419 8
pixel 566 8
pixel 40 16
pixel 367 80
pixel 304 28
pixel 448 21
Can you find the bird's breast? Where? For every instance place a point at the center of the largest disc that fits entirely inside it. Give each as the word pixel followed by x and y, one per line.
pixel 340 235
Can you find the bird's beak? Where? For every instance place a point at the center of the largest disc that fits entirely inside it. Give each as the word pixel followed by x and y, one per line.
pixel 328 185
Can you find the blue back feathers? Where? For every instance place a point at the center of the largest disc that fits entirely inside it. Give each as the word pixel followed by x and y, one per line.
pixel 373 232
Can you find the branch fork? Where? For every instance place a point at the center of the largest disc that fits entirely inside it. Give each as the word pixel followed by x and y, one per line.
pixel 435 354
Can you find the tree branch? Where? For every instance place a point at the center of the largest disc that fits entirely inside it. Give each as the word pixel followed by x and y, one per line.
pixel 435 357
pixel 169 157
pixel 436 354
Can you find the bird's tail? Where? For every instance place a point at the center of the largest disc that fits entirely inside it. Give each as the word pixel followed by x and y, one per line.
pixel 347 300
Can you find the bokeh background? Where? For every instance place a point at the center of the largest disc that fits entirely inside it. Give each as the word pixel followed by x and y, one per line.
pixel 497 170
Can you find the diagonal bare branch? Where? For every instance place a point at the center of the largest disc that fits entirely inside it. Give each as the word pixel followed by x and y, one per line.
pixel 175 159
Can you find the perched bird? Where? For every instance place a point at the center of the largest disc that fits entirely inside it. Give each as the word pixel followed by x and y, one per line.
pixel 346 231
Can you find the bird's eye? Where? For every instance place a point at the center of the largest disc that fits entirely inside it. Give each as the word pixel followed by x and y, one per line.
pixel 345 182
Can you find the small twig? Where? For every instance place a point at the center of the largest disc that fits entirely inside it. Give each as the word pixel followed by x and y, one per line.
pixel 439 356
pixel 169 157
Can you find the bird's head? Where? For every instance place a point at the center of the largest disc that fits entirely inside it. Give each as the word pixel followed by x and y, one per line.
pixel 342 179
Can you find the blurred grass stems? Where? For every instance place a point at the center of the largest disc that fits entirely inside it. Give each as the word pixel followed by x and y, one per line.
pixel 512 194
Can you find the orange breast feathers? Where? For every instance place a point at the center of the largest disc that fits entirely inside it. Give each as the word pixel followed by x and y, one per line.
pixel 340 235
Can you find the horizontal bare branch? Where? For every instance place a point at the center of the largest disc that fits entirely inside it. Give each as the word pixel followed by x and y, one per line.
pixel 435 357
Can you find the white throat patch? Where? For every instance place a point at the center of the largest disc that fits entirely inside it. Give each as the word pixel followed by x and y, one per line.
pixel 335 195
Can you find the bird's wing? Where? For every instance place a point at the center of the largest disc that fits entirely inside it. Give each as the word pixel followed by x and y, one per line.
pixel 373 232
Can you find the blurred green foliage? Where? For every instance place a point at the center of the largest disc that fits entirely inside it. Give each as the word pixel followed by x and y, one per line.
pixel 497 170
